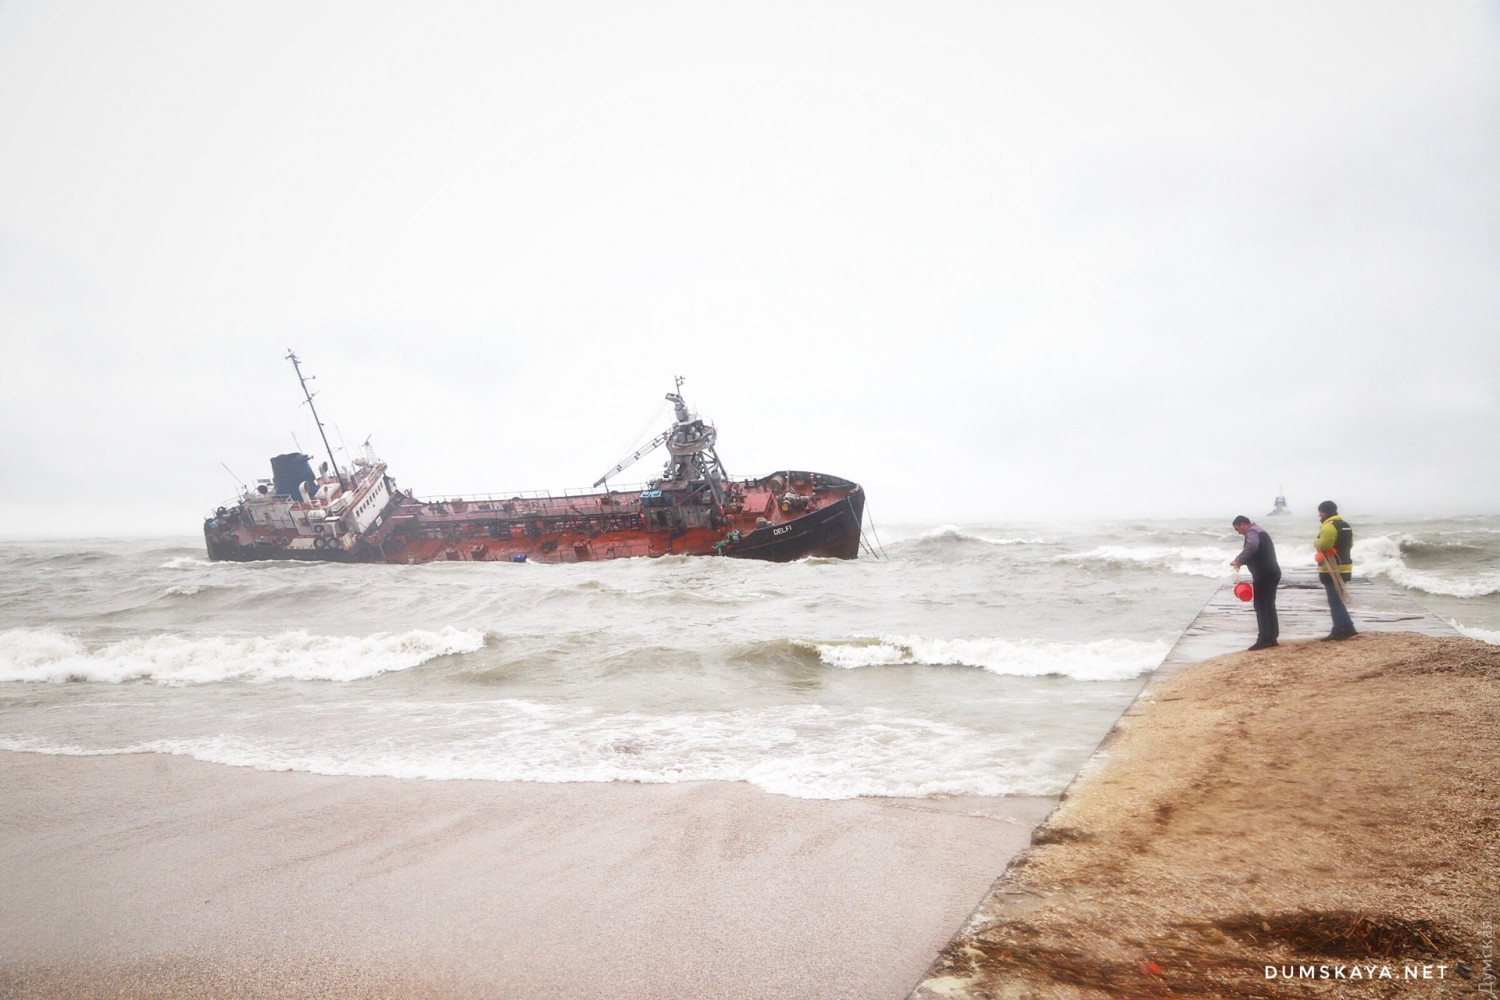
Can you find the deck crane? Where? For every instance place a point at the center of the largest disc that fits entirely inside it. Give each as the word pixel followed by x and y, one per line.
pixel 644 450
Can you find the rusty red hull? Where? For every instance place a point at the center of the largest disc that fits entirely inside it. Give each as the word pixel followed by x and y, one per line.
pixel 786 516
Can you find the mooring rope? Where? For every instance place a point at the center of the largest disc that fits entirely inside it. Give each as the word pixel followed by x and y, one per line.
pixel 873 534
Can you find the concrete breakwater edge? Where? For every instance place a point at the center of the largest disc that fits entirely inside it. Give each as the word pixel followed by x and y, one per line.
pixel 1315 817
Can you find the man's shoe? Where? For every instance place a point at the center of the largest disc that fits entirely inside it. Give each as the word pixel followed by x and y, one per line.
pixel 1339 636
pixel 1262 645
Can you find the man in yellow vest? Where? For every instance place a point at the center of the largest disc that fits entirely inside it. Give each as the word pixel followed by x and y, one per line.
pixel 1335 565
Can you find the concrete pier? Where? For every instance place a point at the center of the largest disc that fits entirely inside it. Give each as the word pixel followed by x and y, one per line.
pixel 1227 625
pixel 1224 626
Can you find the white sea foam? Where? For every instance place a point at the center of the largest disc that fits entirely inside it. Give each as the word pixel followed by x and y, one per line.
pixel 33 744
pixel 1489 635
pixel 1186 560
pixel 804 751
pixel 1103 660
pixel 48 655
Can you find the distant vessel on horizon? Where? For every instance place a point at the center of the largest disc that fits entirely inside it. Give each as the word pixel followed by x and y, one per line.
pixel 357 513
pixel 1280 506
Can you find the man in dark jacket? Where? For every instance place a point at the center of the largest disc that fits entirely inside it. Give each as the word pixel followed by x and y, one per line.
pixel 1259 556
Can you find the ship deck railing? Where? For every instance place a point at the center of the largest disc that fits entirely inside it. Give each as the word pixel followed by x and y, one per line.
pixel 567 494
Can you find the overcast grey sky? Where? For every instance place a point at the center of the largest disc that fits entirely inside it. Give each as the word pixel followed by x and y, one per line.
pixel 993 260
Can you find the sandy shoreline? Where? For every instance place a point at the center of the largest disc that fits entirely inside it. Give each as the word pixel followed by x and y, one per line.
pixel 161 877
pixel 1319 806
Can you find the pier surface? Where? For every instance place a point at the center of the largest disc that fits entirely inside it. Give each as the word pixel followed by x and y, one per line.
pixel 1227 624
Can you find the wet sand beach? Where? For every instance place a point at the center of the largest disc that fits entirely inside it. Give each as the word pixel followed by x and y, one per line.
pixel 1311 820
pixel 149 876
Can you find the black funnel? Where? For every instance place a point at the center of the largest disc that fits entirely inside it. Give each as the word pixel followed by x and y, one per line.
pixel 290 471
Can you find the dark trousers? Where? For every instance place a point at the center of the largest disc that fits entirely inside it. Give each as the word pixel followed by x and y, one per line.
pixel 1267 628
pixel 1342 623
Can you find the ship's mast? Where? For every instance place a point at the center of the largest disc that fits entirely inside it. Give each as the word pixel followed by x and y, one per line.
pixel 302 379
pixel 691 444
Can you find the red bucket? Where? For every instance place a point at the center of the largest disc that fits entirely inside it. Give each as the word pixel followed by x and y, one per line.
pixel 1244 591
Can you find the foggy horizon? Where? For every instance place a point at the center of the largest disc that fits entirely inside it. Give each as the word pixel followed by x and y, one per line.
pixel 997 264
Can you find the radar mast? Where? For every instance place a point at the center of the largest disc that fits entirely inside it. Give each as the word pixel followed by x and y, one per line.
pixel 302 379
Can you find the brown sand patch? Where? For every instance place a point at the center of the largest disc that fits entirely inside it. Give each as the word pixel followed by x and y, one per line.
pixel 1316 805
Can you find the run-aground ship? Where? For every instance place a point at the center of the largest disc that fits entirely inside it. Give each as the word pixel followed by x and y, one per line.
pixel 357 514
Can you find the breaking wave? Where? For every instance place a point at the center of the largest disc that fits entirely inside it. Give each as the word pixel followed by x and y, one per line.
pixel 1185 560
pixel 1489 635
pixel 949 538
pixel 1104 660
pixel 50 656
pixel 806 751
pixel 1457 569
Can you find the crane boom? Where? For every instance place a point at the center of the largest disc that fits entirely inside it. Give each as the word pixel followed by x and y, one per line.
pixel 626 463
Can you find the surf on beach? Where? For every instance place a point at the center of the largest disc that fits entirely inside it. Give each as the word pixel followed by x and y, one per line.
pixel 978 660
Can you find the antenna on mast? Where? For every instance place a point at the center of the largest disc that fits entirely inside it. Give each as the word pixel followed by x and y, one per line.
pixel 237 479
pixel 302 379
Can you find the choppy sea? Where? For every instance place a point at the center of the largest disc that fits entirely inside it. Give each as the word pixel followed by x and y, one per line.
pixel 983 659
